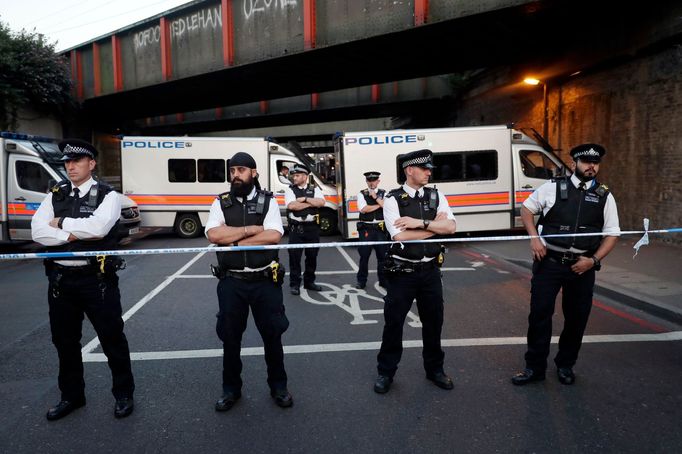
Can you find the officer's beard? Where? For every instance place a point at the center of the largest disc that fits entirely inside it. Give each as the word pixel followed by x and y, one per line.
pixel 241 188
pixel 584 178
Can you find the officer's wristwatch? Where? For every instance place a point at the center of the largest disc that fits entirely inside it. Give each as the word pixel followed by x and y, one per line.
pixel 426 224
pixel 596 261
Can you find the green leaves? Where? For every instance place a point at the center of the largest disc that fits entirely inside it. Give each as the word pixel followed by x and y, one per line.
pixel 31 74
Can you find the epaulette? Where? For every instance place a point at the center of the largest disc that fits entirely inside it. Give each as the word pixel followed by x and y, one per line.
pixel 602 190
pixel 225 199
pixel 365 191
pixel 559 178
pixel 397 193
pixel 61 190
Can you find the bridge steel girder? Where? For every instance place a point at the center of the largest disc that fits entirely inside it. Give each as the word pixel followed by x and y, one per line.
pixel 576 34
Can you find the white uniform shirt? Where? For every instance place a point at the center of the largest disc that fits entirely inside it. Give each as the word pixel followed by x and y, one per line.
pixel 544 197
pixel 96 226
pixel 362 203
pixel 272 220
pixel 289 197
pixel 392 212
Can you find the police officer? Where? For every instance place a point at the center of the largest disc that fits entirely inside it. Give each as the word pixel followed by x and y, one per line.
pixel 371 228
pixel 81 214
pixel 414 212
pixel 579 204
pixel 303 203
pixel 247 215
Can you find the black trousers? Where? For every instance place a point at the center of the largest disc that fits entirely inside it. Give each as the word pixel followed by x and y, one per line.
pixel 372 234
pixel 298 234
pixel 71 296
pixel 235 297
pixel 403 288
pixel 548 278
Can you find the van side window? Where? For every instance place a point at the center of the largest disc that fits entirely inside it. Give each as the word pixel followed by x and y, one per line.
pixel 536 164
pixel 464 166
pixel 211 170
pixel 32 176
pixel 182 170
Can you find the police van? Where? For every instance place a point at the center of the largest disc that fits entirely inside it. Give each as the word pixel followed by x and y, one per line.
pixel 174 180
pixel 484 172
pixel 29 167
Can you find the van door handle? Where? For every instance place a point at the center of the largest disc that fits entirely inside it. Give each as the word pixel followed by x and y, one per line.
pixel 527 186
pixel 281 191
pixel 21 199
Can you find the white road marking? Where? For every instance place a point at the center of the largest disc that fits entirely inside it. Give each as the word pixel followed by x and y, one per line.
pixel 324 273
pixel 364 346
pixel 93 344
pixel 348 258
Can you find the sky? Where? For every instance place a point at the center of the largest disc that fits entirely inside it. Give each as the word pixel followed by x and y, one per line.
pixel 67 23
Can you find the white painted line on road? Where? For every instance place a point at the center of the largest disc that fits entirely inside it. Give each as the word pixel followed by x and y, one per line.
pixel 348 258
pixel 363 346
pixel 208 276
pixel 93 344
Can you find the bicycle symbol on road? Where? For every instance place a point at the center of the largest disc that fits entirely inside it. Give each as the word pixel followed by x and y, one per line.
pixel 347 298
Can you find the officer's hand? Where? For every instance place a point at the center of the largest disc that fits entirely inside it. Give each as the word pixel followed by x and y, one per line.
pixel 538 249
pixel 54 223
pixel 407 222
pixel 583 264
pixel 441 216
pixel 72 237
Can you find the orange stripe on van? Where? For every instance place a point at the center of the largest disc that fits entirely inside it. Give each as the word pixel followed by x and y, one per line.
pixel 486 198
pixel 148 199
pixel 521 196
pixel 22 209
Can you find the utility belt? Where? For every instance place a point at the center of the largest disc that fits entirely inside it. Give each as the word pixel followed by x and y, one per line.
pixel 274 272
pixel 566 257
pixel 100 264
pixel 397 266
pixel 380 226
pixel 315 222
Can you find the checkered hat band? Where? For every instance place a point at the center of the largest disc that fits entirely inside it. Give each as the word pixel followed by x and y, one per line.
pixel 417 161
pixel 591 152
pixel 69 149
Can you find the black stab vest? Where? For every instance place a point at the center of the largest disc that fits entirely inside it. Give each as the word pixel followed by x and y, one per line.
pixel 308 191
pixel 66 206
pixel 418 209
pixel 238 214
pixel 376 215
pixel 579 212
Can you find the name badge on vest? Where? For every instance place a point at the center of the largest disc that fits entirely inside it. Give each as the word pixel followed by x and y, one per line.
pixel 591 198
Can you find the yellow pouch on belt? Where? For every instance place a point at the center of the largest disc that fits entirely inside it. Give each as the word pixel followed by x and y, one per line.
pixel 101 259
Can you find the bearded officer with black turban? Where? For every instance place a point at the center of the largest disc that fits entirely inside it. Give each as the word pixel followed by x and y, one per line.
pixel 248 216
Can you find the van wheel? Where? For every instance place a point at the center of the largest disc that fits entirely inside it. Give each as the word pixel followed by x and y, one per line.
pixel 187 225
pixel 327 222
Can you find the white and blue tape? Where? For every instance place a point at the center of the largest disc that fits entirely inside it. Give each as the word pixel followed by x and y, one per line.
pixel 57 255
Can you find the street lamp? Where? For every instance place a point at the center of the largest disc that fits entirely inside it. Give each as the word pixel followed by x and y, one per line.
pixel 545 106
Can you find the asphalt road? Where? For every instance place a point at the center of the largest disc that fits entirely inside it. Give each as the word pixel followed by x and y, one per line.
pixel 627 397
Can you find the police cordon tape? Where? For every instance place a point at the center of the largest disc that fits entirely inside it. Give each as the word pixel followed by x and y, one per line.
pixel 57 255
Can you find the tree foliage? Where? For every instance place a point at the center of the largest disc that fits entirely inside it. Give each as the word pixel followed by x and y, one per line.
pixel 31 74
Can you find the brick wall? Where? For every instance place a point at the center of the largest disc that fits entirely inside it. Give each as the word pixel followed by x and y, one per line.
pixel 634 110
